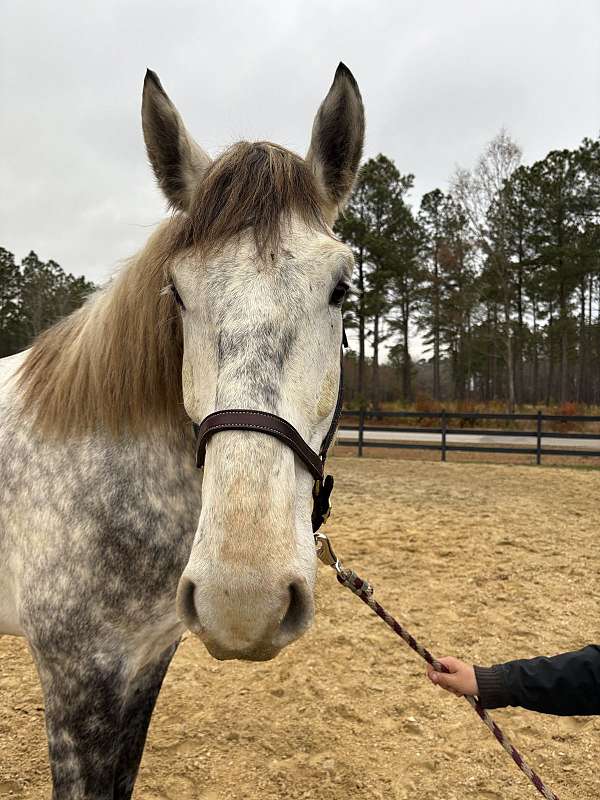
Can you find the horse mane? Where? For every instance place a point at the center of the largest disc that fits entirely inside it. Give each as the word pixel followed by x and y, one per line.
pixel 115 363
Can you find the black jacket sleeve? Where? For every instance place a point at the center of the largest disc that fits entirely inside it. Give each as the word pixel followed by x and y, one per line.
pixel 567 684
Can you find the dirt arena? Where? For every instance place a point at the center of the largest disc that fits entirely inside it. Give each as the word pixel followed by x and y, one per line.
pixel 487 562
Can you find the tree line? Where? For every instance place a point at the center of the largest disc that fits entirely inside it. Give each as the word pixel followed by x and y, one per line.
pixel 33 295
pixel 500 275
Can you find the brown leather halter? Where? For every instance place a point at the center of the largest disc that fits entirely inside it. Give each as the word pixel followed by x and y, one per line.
pixel 263 422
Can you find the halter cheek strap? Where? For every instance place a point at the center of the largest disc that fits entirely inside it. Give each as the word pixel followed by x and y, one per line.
pixel 263 422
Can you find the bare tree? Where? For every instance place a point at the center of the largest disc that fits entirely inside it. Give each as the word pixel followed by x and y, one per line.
pixel 479 194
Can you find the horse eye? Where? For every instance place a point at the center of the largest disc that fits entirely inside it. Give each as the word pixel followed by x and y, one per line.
pixel 177 297
pixel 338 294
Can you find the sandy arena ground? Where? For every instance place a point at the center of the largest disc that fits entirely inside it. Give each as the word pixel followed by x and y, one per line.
pixel 487 562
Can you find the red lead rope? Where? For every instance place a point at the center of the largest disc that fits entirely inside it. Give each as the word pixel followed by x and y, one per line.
pixel 364 590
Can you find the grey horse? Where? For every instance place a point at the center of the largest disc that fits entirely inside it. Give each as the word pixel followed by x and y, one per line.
pixel 234 302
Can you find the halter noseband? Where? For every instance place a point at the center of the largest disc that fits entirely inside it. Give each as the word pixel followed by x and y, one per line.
pixel 264 422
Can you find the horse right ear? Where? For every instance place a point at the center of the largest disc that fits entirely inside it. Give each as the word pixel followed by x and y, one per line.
pixel 179 163
pixel 337 141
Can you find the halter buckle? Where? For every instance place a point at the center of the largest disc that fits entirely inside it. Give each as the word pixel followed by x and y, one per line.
pixel 326 553
pixel 321 501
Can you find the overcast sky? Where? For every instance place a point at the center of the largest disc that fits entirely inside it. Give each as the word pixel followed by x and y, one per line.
pixel 438 78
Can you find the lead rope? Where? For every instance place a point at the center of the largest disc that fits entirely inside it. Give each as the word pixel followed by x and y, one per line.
pixel 364 591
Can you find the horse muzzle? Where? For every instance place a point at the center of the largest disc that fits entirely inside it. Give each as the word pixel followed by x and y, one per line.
pixel 243 622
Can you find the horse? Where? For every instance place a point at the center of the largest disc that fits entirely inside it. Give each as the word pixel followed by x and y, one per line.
pixel 112 543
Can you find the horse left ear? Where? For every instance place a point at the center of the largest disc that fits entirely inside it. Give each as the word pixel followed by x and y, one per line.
pixel 337 141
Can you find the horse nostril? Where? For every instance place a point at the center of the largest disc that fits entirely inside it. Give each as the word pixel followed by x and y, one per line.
pixel 186 607
pixel 298 616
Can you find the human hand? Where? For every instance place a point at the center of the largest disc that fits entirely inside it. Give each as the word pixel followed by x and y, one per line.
pixel 460 680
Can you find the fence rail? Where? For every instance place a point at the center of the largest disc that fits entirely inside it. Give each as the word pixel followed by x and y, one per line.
pixel 539 447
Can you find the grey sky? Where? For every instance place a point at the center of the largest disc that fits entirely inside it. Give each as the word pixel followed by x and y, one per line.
pixel 438 78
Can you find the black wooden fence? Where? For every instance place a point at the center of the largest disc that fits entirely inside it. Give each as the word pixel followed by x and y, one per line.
pixel 535 437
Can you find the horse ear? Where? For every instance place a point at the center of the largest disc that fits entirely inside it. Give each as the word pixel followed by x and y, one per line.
pixel 337 140
pixel 178 162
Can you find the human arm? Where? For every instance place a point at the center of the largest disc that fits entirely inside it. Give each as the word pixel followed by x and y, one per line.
pixel 567 684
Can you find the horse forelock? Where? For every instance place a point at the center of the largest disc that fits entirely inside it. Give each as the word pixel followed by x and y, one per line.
pixel 257 186
pixel 115 364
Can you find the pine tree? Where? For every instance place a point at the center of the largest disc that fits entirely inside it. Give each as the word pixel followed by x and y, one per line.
pixel 432 224
pixel 367 225
pixel 34 296
pixel 10 321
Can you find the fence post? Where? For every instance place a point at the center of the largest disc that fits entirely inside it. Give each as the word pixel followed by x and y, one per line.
pixel 444 428
pixel 538 447
pixel 361 428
